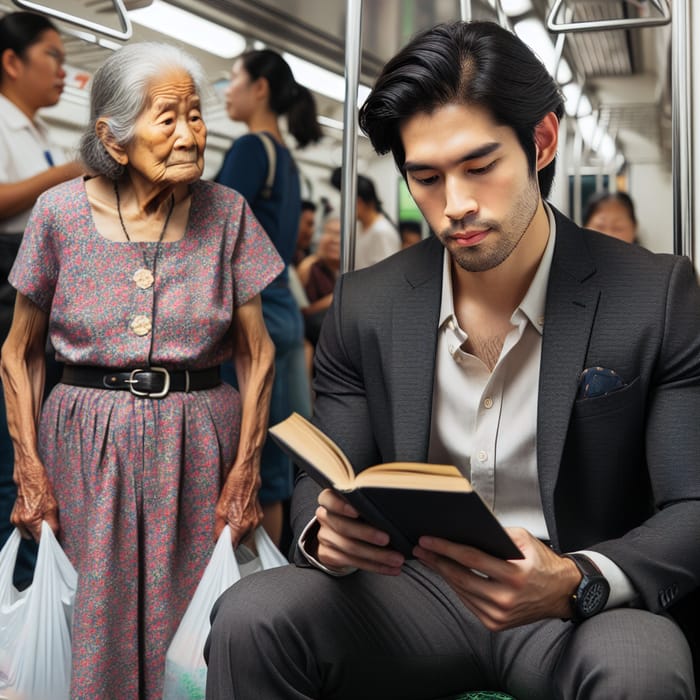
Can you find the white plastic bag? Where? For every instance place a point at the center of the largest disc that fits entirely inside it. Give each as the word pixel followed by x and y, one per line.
pixel 35 624
pixel 185 668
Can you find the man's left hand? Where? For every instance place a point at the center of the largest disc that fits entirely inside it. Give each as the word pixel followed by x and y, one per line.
pixel 505 593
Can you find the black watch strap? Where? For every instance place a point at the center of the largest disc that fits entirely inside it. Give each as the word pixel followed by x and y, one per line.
pixel 593 591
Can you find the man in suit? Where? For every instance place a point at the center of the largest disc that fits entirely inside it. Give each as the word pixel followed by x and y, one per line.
pixel 558 368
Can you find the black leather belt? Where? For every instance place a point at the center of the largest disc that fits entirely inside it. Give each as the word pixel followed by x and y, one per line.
pixel 152 382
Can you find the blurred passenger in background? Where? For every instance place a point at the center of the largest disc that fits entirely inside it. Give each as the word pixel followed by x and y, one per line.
pixel 262 89
pixel 307 229
pixel 322 277
pixel 31 77
pixel 410 232
pixel 612 213
pixel 377 238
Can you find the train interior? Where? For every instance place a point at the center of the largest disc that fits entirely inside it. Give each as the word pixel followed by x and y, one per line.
pixel 612 59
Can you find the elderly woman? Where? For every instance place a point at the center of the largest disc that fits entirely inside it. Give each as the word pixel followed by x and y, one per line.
pixel 146 278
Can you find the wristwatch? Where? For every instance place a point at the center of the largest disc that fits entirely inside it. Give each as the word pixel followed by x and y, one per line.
pixel 592 593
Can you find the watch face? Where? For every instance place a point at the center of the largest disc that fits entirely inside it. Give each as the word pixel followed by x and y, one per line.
pixel 593 598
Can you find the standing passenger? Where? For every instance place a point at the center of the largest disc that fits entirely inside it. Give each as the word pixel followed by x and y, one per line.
pixel 146 279
pixel 262 89
pixel 31 77
pixel 376 237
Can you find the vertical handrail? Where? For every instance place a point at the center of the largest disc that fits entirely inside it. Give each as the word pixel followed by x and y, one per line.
pixel 348 180
pixel 465 10
pixel 682 131
pixel 578 154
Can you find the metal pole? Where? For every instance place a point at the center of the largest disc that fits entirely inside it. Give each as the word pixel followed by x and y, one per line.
pixel 682 129
pixel 578 156
pixel 465 10
pixel 348 180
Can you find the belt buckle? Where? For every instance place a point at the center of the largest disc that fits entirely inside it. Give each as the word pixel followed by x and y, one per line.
pixel 152 394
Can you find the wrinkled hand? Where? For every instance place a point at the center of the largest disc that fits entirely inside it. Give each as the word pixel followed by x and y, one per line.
pixel 35 502
pixel 510 593
pixel 346 541
pixel 238 504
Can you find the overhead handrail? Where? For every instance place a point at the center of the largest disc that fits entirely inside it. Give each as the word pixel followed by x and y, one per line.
pixel 601 24
pixel 125 22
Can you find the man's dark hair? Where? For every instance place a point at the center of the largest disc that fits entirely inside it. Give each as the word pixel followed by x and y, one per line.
pixel 307 205
pixel 471 63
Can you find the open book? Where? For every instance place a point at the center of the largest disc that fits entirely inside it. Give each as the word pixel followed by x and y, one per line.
pixel 404 499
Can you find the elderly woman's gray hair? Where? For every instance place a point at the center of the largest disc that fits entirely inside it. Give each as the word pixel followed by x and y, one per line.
pixel 119 93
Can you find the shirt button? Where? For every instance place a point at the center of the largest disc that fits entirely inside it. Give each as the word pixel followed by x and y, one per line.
pixel 143 278
pixel 482 456
pixel 488 402
pixel 141 325
pixel 540 321
pixel 451 348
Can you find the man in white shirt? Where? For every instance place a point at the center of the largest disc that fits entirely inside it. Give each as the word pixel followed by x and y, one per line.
pixel 376 238
pixel 557 368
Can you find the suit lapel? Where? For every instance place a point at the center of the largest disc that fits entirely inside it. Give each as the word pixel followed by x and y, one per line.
pixel 572 300
pixel 414 320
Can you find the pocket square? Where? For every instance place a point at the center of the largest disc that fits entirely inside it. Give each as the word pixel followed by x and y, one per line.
pixel 598 381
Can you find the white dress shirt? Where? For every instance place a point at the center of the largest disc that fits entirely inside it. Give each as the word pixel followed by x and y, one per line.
pixel 376 242
pixel 25 151
pixel 485 422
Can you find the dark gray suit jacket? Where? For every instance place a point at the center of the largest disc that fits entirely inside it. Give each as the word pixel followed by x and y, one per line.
pixel 619 473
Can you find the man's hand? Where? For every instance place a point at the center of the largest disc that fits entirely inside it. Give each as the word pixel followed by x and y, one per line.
pixel 509 593
pixel 346 541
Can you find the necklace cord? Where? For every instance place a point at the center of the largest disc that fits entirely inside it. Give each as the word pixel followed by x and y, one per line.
pixel 149 266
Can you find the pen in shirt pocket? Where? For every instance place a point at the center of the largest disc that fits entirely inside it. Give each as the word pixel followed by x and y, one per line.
pixel 49 157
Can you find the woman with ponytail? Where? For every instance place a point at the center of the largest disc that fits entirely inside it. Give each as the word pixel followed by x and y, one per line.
pixel 260 166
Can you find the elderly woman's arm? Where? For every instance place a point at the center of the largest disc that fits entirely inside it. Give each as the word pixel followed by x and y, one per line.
pixel 254 356
pixel 23 370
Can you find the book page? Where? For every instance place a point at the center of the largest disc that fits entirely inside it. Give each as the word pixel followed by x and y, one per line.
pixel 415 475
pixel 316 448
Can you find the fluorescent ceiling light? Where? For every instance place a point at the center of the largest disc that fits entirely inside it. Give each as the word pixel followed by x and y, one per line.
pixel 515 7
pixel 533 33
pixel 321 80
pixel 597 139
pixel 576 104
pixel 564 74
pixel 190 28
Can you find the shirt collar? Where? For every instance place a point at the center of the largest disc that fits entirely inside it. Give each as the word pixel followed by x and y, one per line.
pixel 16 119
pixel 533 303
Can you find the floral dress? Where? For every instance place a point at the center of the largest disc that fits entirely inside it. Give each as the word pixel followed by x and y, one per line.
pixel 137 479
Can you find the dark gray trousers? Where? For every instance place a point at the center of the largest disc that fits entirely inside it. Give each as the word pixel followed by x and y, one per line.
pixel 293 633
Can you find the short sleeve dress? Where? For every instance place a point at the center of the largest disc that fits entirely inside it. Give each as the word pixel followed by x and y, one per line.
pixel 137 479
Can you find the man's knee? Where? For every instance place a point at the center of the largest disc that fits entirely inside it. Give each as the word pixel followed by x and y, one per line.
pixel 626 654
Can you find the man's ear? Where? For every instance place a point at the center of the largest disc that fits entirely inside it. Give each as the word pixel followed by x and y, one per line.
pixel 546 140
pixel 104 133
pixel 11 63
